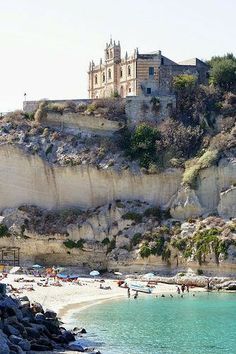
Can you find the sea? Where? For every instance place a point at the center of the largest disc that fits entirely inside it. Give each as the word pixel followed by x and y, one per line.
pixel 200 324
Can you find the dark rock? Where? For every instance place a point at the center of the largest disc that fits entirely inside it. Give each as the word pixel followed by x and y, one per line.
pixel 24 344
pixel 50 314
pixel 46 342
pixel 32 332
pixel 75 346
pixel 15 339
pixel 24 298
pixel 82 330
pixel 4 348
pixel 9 330
pixel 39 317
pixel 39 347
pixel 68 336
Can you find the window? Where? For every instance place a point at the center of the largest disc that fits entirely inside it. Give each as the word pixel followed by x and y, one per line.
pixel 121 72
pixel 151 71
pixel 129 70
pixel 111 54
pixel 162 61
pixel 96 79
pixel 109 74
pixel 129 89
pixel 107 54
pixel 149 90
pixel 103 77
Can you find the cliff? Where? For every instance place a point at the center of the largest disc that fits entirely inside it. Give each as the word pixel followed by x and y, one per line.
pixel 28 179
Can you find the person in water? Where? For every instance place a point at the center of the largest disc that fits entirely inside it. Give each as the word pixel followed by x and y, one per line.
pixel 178 290
pixel 136 295
pixel 128 292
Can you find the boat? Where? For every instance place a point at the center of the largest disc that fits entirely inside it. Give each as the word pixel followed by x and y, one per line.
pixel 140 288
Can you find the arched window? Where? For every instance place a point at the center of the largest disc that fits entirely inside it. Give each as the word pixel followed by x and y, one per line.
pixel 129 70
pixel 109 74
pixel 96 79
pixel 111 54
pixel 121 72
pixel 107 54
pixel 103 77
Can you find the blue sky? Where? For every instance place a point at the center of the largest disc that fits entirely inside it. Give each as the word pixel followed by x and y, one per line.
pixel 46 45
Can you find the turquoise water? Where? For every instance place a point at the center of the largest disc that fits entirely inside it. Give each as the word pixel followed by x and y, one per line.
pixel 204 324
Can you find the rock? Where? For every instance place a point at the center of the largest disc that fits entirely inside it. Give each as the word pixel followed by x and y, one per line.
pixel 227 205
pixel 39 317
pixel 38 347
pixel 10 330
pixel 76 347
pixel 4 348
pixel 15 339
pixel 32 332
pixel 24 344
pixel 186 204
pixel 50 314
pixel 68 336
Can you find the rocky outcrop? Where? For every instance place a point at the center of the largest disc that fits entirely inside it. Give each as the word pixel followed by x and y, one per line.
pixel 186 204
pixel 227 204
pixel 27 328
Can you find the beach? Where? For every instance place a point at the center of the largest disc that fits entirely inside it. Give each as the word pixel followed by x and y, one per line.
pixel 70 296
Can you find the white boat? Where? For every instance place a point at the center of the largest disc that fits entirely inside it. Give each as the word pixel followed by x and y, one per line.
pixel 140 288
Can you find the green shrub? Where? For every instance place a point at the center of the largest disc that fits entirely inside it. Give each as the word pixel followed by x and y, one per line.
pixel 199 272
pixel 72 244
pixel 158 249
pixel 106 241
pixel 145 251
pixel 111 245
pixel 131 215
pixel 184 82
pixel 223 71
pixel 136 239
pixel 154 212
pixel 3 230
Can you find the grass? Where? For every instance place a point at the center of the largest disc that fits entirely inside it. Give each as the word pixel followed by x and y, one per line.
pixel 192 169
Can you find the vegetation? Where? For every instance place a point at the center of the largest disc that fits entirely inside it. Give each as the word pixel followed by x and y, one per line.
pixel 223 71
pixel 3 230
pixel 193 167
pixel 131 215
pixel 184 82
pixel 136 239
pixel 145 251
pixel 72 244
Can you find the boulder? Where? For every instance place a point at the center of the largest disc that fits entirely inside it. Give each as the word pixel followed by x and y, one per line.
pixel 76 347
pixel 4 348
pixel 50 314
pixel 68 336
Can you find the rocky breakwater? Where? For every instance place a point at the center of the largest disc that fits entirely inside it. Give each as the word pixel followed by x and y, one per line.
pixel 27 328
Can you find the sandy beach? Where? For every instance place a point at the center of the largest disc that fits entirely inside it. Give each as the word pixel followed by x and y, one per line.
pixel 70 296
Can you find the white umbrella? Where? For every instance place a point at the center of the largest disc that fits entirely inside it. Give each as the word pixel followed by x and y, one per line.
pixel 36 266
pixel 118 273
pixel 94 273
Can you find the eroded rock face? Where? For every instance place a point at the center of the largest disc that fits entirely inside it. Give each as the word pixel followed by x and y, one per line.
pixel 227 204
pixel 186 204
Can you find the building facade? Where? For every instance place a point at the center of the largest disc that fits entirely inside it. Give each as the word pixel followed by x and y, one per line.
pixel 138 74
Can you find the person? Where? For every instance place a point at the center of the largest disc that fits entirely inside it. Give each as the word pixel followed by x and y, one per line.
pixel 128 292
pixel 187 288
pixel 182 288
pixel 178 290
pixel 136 295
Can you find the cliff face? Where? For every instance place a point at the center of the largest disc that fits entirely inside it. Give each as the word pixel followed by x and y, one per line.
pixel 27 179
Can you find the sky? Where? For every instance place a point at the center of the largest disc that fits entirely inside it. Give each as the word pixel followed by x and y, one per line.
pixel 46 45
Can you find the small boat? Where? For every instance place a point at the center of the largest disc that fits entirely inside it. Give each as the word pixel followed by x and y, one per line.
pixel 140 288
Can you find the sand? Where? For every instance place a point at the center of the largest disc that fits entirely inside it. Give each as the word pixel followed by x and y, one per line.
pixel 71 296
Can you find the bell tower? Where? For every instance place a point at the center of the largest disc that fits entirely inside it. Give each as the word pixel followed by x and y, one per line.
pixel 112 52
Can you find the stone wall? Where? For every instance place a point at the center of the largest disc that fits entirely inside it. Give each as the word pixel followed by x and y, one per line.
pixel 140 108
pixel 31 106
pixel 76 122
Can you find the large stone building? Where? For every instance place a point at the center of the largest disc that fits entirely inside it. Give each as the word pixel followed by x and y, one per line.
pixel 138 74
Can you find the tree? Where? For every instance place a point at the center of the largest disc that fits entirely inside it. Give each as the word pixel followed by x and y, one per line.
pixel 223 71
pixel 184 82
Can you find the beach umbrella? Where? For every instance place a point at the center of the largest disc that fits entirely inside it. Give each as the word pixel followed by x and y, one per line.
pixel 94 273
pixel 36 266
